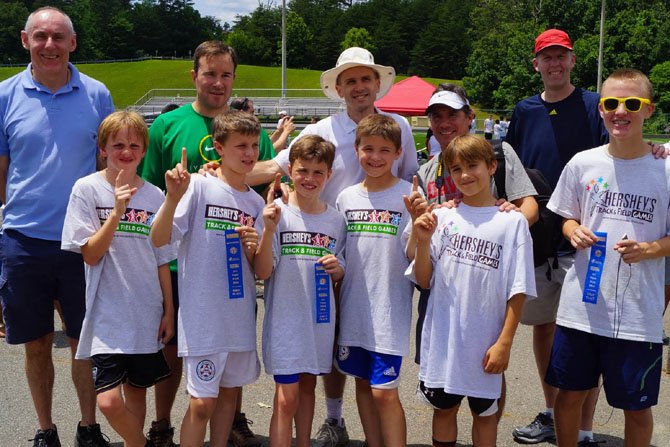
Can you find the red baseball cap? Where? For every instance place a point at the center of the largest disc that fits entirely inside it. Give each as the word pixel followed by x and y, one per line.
pixel 551 38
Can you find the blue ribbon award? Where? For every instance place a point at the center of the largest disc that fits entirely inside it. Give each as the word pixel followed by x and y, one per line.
pixel 594 270
pixel 322 289
pixel 234 264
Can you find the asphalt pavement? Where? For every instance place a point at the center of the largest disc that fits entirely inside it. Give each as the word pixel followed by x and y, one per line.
pixel 524 400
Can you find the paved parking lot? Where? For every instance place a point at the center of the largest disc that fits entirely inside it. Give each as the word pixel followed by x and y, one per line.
pixel 17 419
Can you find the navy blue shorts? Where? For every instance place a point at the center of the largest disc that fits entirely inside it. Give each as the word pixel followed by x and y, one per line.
pixel 138 370
pixel 631 370
pixel 35 272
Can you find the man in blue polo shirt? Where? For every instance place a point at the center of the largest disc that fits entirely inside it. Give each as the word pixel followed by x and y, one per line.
pixel 49 115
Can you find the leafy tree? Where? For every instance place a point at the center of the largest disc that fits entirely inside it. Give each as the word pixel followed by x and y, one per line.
pixel 358 37
pixel 13 16
pixel 660 79
pixel 298 42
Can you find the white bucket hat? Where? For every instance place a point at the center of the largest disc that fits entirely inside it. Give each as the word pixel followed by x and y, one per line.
pixel 356 57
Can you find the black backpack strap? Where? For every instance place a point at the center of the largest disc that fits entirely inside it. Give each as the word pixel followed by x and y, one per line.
pixel 499 175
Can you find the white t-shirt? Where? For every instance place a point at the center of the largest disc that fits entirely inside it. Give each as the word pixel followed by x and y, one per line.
pixel 481 258
pixel 340 130
pixel 293 342
pixel 376 298
pixel 618 197
pixel 209 320
pixel 124 302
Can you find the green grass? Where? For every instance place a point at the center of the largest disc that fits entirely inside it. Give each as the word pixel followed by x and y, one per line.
pixel 129 81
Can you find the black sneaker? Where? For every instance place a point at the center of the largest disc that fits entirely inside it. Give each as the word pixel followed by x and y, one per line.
pixel 46 438
pixel 240 433
pixel 160 434
pixel 90 436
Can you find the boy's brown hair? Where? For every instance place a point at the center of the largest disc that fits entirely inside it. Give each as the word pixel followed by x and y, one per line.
pixel 468 149
pixel 213 48
pixel 631 74
pixel 122 119
pixel 228 122
pixel 312 147
pixel 376 125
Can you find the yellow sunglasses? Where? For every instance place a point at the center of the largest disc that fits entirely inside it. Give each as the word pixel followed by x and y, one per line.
pixel 632 103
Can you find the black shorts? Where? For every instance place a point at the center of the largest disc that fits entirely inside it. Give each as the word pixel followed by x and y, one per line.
pixel 138 370
pixel 423 305
pixel 441 400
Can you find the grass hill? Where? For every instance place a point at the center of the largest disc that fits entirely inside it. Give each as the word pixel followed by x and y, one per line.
pixel 129 81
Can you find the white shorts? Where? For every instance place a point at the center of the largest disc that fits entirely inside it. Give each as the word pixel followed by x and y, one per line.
pixel 207 373
pixel 543 309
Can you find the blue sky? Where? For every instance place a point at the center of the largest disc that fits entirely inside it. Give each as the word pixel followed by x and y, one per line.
pixel 226 10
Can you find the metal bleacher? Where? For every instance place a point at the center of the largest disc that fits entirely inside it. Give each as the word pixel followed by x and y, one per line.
pixel 302 104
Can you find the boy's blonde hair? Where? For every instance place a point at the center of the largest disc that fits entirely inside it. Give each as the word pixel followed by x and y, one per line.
pixel 122 119
pixel 632 74
pixel 468 149
pixel 312 147
pixel 376 125
pixel 228 122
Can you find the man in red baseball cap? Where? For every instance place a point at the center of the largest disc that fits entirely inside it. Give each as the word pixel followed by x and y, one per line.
pixel 547 130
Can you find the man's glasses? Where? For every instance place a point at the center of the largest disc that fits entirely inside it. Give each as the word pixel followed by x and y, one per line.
pixel 632 103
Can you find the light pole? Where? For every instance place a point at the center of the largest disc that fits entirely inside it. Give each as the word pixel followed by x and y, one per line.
pixel 283 50
pixel 601 45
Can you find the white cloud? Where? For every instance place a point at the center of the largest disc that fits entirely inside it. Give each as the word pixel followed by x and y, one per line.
pixel 225 10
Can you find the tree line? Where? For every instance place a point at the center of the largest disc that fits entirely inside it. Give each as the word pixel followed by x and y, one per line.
pixel 115 29
pixel 486 43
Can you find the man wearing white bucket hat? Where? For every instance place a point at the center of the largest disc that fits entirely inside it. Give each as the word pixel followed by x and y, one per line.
pixel 359 82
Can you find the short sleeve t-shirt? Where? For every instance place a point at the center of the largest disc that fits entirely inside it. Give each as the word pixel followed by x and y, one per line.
pixel 481 258
pixel 210 321
pixel 375 298
pixel 293 341
pixel 616 197
pixel 124 301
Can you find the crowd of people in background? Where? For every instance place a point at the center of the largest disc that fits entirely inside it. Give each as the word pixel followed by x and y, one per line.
pixel 154 254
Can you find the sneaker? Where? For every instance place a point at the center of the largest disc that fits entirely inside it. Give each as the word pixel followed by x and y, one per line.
pixel 332 435
pixel 540 429
pixel 161 434
pixel 588 442
pixel 46 438
pixel 241 435
pixel 90 436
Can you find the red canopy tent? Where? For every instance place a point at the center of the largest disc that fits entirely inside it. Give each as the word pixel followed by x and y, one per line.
pixel 407 97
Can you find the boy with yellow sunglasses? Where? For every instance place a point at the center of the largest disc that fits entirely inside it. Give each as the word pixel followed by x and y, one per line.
pixel 614 200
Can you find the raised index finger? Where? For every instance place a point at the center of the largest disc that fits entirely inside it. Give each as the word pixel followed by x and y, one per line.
pixel 415 183
pixel 118 182
pixel 183 158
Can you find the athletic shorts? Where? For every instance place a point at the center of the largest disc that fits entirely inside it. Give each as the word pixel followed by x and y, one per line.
pixel 35 272
pixel 543 309
pixel 631 370
pixel 138 370
pixel 439 399
pixel 424 294
pixel 175 303
pixel 205 374
pixel 381 370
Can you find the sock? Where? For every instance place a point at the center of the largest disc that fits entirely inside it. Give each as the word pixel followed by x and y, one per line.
pixel 334 409
pixel 583 434
pixel 549 412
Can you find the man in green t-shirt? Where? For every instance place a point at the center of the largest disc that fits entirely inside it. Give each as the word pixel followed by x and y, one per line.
pixel 189 127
